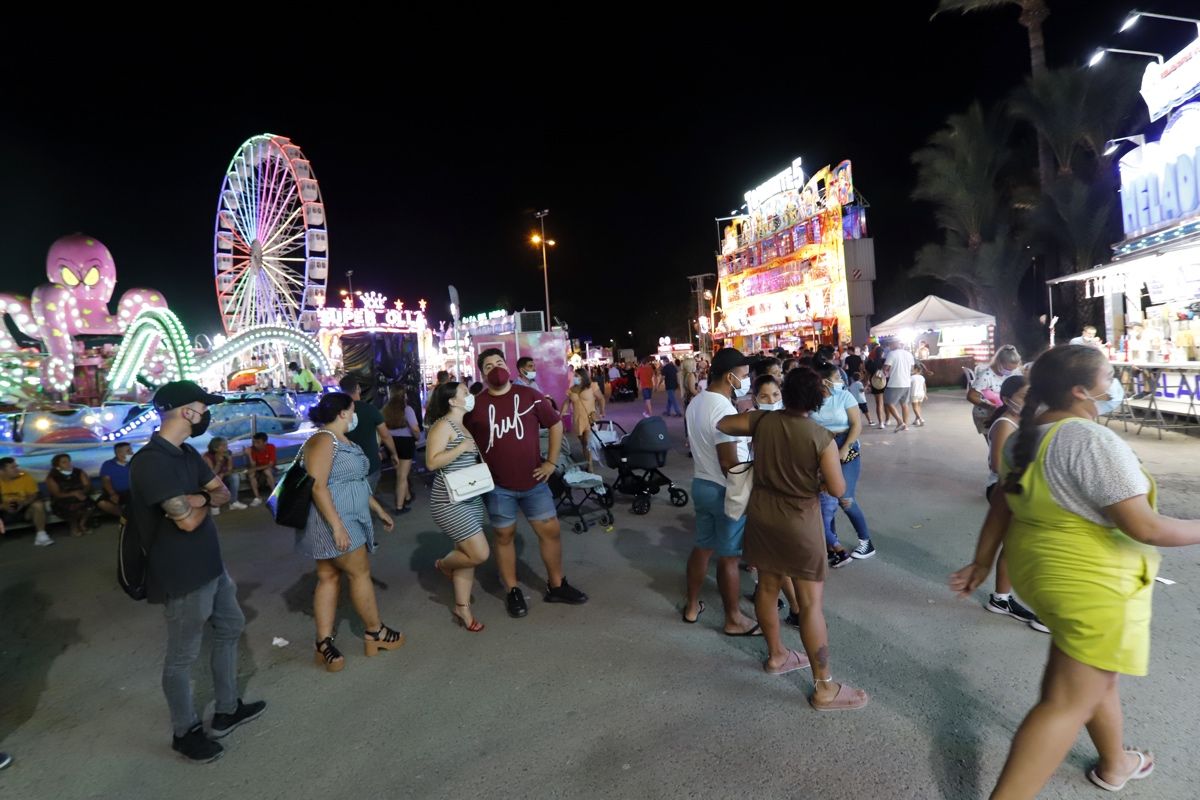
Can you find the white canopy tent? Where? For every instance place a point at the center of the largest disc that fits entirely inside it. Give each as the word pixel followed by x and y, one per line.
pixel 932 313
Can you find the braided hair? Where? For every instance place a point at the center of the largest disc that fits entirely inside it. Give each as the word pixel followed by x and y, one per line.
pixel 1051 379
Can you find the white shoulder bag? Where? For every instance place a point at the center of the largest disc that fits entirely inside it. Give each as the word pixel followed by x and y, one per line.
pixel 469 482
pixel 738 483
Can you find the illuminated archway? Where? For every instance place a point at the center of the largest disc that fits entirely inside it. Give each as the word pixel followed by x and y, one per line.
pixel 149 328
pixel 262 335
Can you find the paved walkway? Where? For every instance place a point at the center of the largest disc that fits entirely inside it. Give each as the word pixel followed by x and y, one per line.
pixel 615 699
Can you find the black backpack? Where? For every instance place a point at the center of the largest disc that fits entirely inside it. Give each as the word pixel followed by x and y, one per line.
pixel 131 559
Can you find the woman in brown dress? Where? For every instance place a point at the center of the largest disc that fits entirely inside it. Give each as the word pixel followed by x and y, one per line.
pixel 794 458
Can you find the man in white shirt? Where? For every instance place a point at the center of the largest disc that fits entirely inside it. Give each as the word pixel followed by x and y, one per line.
pixel 713 454
pixel 1089 338
pixel 898 367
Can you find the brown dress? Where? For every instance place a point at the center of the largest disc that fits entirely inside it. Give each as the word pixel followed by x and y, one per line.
pixel 784 531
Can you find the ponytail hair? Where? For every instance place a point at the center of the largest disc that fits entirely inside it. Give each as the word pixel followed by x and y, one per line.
pixel 1051 380
pixel 1012 384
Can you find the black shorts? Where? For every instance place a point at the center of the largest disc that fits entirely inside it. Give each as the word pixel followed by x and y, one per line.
pixel 406 447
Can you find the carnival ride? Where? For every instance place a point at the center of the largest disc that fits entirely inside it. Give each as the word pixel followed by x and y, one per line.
pixel 270 269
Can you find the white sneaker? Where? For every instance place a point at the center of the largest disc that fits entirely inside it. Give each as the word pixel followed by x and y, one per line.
pixel 255 502
pixel 42 540
pixel 236 506
pixel 215 511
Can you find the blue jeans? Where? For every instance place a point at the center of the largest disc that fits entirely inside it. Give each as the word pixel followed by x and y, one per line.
pixel 673 402
pixel 215 603
pixel 830 505
pixel 537 504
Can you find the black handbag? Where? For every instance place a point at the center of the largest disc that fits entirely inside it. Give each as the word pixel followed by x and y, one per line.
pixel 291 500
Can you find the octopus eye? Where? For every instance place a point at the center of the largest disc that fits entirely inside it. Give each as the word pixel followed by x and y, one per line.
pixel 92 277
pixel 69 277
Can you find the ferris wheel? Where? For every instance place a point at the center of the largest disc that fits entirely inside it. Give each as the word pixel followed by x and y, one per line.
pixel 271 247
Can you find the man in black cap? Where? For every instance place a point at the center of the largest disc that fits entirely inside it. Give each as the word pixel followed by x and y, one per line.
pixel 714 454
pixel 172 491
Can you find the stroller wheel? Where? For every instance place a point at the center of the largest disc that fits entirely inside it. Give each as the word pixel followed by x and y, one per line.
pixel 679 497
pixel 606 500
pixel 579 527
pixel 607 519
pixel 641 505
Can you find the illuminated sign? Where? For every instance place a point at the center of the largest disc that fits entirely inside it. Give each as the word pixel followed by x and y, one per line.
pixel 1160 181
pixel 373 314
pixel 1165 86
pixel 490 323
pixel 790 180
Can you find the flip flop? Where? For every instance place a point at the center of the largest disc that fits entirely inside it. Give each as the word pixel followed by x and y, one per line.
pixel 847 699
pixel 1144 768
pixel 794 661
pixel 683 613
pixel 755 631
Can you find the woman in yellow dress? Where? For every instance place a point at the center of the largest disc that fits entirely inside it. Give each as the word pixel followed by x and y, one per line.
pixel 583 397
pixel 1079 527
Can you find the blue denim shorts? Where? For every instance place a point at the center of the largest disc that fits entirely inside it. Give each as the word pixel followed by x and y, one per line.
pixel 537 504
pixel 714 530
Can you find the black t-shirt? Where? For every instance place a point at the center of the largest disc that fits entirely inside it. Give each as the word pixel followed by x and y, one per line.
pixel 670 374
pixel 853 364
pixel 179 561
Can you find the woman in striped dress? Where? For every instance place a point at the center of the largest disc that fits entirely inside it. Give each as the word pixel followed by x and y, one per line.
pixel 449 448
pixel 340 532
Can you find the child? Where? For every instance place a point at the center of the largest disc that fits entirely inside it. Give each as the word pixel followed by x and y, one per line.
pixel 858 392
pixel 918 394
pixel 262 465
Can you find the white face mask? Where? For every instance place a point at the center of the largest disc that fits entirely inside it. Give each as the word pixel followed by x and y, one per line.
pixel 576 381
pixel 742 388
pixel 353 422
pixel 67 472
pixel 776 406
pixel 531 375
pixel 469 404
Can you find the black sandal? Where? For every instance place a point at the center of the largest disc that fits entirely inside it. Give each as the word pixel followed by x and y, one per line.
pixel 329 656
pixel 383 639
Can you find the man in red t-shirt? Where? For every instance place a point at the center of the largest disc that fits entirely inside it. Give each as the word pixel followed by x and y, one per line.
pixel 646 379
pixel 506 424
pixel 262 466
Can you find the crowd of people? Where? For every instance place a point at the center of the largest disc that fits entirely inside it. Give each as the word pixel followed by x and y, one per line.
pixel 776 447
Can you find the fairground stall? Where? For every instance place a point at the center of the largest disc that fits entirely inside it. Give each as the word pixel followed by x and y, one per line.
pixel 957 338
pixel 1151 288
pixel 795 266
pixel 517 334
pixel 379 341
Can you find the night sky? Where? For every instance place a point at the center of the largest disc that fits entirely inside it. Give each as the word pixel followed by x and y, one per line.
pixel 433 144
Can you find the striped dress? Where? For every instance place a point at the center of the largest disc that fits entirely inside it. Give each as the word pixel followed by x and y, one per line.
pixel 351 495
pixel 459 521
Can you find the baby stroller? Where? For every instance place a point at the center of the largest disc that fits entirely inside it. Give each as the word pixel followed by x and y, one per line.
pixel 637 458
pixel 623 390
pixel 575 488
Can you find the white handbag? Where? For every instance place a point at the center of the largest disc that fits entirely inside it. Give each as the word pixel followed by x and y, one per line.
pixel 738 483
pixel 469 482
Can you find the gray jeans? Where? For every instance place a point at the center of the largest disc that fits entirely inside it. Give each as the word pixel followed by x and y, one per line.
pixel 215 602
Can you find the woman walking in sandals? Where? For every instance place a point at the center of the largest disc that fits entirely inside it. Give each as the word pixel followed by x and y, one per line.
pixel 449 448
pixel 340 533
pixel 785 536
pixel 1078 523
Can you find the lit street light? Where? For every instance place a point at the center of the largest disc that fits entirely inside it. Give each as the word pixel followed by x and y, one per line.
pixel 1134 16
pixel 1098 56
pixel 544 243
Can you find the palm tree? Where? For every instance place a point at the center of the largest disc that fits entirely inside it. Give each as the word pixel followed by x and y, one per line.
pixel 962 171
pixel 1033 16
pixel 958 171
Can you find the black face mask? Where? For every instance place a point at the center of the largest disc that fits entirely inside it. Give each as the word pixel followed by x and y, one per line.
pixel 198 428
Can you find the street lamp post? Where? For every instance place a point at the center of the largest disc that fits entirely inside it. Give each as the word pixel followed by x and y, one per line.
pixel 543 241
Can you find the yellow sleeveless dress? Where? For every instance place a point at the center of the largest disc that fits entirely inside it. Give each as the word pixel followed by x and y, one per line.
pixel 1090 584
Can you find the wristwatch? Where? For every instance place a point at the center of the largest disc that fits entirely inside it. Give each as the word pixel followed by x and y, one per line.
pixel 207 497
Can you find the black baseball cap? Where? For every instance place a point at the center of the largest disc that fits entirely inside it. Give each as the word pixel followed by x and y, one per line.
pixel 726 360
pixel 179 393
